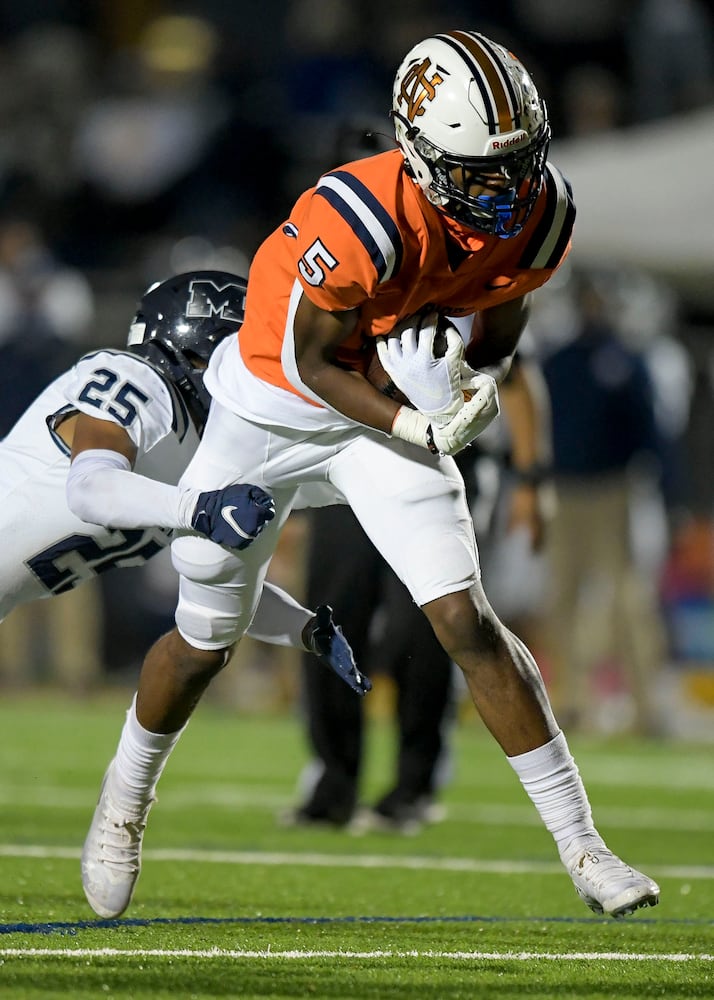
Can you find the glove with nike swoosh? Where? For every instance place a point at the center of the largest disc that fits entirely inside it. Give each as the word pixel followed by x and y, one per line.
pixel 233 516
pixel 425 359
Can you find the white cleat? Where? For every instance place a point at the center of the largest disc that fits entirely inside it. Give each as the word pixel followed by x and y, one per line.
pixel 111 856
pixel 610 886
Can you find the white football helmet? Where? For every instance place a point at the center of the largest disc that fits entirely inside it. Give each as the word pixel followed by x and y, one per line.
pixel 466 113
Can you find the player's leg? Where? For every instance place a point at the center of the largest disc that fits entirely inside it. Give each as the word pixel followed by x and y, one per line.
pixel 173 677
pixel 417 515
pixel 509 694
pixel 218 594
pixel 218 597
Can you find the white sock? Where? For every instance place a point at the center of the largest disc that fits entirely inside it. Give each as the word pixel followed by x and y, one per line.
pixel 140 758
pixel 551 778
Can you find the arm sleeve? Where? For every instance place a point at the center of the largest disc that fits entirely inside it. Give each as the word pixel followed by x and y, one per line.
pixel 102 489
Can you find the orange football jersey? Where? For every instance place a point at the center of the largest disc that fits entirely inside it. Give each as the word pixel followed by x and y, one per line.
pixel 366 237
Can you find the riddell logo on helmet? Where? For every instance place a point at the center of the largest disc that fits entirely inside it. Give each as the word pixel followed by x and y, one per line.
pixel 513 140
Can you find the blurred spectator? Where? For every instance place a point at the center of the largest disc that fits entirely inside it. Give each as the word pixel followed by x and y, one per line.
pixel 142 138
pixel 169 149
pixel 606 443
pixel 47 78
pixel 671 50
pixel 647 313
pixel 561 37
pixel 592 100
pixel 45 314
pixel 329 75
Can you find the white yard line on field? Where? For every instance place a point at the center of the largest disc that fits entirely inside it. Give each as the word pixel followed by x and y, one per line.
pixel 480 814
pixel 324 860
pixel 473 956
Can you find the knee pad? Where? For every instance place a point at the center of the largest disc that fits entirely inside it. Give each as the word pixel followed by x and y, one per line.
pixel 214 606
pixel 211 617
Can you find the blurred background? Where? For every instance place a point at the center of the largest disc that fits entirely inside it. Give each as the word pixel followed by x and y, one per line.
pixel 145 138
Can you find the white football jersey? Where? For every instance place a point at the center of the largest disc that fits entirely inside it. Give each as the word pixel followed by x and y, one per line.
pixel 46 549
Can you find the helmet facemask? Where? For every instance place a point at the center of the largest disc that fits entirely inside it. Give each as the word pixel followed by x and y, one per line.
pixel 511 184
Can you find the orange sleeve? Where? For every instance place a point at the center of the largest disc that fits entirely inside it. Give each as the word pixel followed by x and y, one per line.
pixel 331 263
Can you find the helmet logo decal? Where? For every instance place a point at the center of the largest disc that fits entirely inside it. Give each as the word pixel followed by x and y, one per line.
pixel 417 87
pixel 207 300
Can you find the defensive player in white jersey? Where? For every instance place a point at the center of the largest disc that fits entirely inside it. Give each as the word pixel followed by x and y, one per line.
pixel 465 216
pixel 144 410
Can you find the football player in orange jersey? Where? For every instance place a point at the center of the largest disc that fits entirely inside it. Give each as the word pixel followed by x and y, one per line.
pixel 466 216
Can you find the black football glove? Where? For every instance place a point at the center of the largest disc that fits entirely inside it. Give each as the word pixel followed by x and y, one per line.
pixel 234 516
pixel 326 641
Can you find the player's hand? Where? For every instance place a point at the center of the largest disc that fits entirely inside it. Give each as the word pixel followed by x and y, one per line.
pixel 431 383
pixel 480 408
pixel 477 412
pixel 326 640
pixel 234 516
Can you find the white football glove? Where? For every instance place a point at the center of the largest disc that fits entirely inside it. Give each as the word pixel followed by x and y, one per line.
pixel 431 384
pixel 479 409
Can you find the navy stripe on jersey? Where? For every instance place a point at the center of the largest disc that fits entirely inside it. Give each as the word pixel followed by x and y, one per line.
pixel 364 214
pixel 549 239
pixel 54 420
pixel 180 419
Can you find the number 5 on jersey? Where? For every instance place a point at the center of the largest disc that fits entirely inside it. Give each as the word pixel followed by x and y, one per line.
pixel 314 261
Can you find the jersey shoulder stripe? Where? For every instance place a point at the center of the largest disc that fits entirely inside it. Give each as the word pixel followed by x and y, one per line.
pixel 180 420
pixel 369 220
pixel 546 246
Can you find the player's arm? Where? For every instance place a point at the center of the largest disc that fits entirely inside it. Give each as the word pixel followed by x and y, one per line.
pixel 495 335
pixel 102 488
pixel 90 433
pixel 317 334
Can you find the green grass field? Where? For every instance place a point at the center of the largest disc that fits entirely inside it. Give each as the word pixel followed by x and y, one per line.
pixel 230 904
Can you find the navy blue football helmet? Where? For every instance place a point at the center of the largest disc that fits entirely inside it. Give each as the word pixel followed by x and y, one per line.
pixel 178 324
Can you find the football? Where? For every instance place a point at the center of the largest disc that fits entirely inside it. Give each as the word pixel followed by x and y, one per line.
pixel 381 380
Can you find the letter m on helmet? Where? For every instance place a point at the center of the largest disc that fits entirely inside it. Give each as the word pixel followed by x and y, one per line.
pixel 208 299
pixel 417 87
